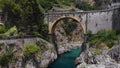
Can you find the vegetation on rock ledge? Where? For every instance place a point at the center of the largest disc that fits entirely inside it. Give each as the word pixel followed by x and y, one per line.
pixel 31 49
pixel 110 38
pixel 7 55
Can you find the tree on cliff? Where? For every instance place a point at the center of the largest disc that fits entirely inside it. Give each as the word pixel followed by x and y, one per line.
pixel 27 15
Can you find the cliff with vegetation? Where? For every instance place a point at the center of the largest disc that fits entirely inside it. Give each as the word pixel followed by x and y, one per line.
pixel 26 53
pixel 26 17
pixel 102 51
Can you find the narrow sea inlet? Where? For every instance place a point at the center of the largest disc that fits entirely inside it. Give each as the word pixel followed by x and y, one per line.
pixel 66 60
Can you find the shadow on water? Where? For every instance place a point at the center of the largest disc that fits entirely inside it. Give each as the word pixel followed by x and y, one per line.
pixel 66 60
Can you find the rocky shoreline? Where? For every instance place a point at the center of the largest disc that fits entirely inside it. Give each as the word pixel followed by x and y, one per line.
pixel 104 59
pixel 91 58
pixel 68 47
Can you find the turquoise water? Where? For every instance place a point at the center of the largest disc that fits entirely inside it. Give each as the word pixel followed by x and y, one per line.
pixel 66 60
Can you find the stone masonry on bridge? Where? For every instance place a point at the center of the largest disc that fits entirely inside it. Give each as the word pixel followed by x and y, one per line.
pixel 92 20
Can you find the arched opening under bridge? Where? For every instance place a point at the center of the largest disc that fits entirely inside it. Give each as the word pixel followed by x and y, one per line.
pixel 67 33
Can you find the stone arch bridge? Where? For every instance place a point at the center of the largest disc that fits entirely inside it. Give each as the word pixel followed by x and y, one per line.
pixel 93 21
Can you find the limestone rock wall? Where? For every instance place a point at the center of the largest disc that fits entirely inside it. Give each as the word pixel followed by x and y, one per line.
pixel 88 59
pixel 38 60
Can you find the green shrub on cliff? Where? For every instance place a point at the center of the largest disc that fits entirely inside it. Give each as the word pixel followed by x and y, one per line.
pixel 11 32
pixel 6 57
pixel 31 49
pixel 108 37
pixel 85 6
pixel 97 52
pixel 2 29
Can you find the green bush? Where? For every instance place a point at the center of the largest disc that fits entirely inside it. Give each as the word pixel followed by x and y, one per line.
pixel 46 4
pixel 1 36
pixel 11 32
pixel 2 29
pixel 4 60
pixel 97 52
pixel 67 2
pixel 44 32
pixel 31 49
pixel 108 37
pixel 7 56
pixel 85 6
pixel 37 34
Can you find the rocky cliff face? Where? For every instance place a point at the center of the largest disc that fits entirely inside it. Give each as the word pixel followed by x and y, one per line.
pixel 16 59
pixel 92 59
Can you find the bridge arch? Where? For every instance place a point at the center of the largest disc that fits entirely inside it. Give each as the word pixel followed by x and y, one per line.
pixel 52 25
